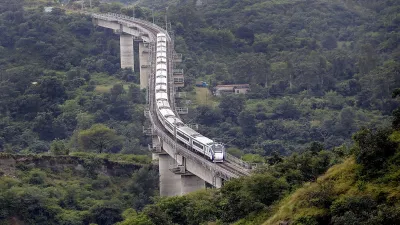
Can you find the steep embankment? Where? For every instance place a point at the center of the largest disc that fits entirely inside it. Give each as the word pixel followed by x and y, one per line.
pixel 338 182
pixel 339 196
pixel 10 164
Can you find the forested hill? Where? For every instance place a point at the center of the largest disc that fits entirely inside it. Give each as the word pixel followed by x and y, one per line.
pixel 319 70
pixel 61 84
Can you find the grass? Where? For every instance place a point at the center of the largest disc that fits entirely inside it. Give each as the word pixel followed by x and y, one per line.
pixel 104 79
pixel 105 82
pixel 106 88
pixel 121 158
pixel 337 181
pixel 205 97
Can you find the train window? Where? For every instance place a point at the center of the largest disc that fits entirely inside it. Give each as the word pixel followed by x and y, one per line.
pixel 169 126
pixel 182 136
pixel 195 143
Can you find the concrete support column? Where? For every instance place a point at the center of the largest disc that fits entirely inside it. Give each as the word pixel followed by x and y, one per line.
pixel 218 182
pixel 190 183
pixel 144 65
pixel 154 156
pixel 170 183
pixel 126 47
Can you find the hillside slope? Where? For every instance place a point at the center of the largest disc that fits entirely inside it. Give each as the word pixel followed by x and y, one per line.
pixel 84 189
pixel 338 197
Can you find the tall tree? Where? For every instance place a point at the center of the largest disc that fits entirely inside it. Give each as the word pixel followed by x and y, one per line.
pixel 99 137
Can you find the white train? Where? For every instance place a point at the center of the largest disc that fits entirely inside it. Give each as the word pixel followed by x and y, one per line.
pixel 195 141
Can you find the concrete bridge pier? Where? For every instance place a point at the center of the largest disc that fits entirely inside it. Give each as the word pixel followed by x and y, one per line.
pixel 144 64
pixel 170 183
pixel 126 47
pixel 190 183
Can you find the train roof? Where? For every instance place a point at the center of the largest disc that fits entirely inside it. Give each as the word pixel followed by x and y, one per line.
pixel 161 35
pixel 161 80
pixel 161 49
pixel 167 113
pixel 175 120
pixel 161 87
pixel 162 101
pixel 188 131
pixel 161 66
pixel 162 54
pixel 161 73
pixel 161 96
pixel 203 140
pixel 162 105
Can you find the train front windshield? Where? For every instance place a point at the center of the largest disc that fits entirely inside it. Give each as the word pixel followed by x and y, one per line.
pixel 218 148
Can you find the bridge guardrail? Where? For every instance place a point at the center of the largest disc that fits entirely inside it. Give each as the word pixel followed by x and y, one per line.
pixel 238 161
pixel 116 15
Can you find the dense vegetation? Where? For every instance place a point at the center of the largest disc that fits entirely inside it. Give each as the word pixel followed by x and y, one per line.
pixel 72 190
pixel 362 189
pixel 319 70
pixel 61 87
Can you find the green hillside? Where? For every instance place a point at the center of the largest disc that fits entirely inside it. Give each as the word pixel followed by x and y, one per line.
pixel 72 189
pixel 347 194
pixel 321 113
pixel 61 85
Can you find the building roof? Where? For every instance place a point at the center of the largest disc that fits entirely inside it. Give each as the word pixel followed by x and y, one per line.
pixel 48 9
pixel 233 85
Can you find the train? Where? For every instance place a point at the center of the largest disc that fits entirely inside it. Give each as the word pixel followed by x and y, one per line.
pixel 210 149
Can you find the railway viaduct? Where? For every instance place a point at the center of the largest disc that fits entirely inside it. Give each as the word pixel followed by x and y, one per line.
pixel 181 170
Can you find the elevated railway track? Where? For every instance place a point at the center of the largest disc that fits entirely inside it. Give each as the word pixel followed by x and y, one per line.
pixel 232 167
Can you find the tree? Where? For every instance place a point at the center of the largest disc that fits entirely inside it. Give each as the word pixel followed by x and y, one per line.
pixel 245 33
pixel 251 68
pixel 58 147
pixel 99 137
pixel 287 110
pixel 232 105
pixel 131 217
pixel 247 121
pixel 106 213
pixel 316 147
pixel 143 185
pixel 329 42
pixel 207 115
pixel 396 112
pixel 373 150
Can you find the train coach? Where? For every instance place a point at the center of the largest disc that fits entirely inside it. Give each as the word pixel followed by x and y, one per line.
pixel 186 135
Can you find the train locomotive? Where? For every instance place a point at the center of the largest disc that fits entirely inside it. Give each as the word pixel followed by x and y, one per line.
pixel 195 141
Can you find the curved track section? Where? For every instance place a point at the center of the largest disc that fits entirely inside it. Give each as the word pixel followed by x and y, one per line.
pixel 232 167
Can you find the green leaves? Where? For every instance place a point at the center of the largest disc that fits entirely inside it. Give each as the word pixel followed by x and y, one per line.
pixel 373 150
pixel 100 138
